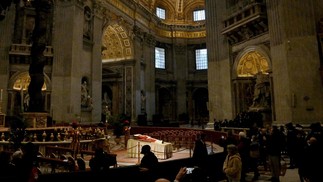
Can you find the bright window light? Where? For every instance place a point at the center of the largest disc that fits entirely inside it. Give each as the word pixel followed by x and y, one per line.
pixel 199 15
pixel 161 13
pixel 159 58
pixel 201 59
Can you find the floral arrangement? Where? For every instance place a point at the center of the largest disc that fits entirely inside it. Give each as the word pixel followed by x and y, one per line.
pixel 118 125
pixel 74 124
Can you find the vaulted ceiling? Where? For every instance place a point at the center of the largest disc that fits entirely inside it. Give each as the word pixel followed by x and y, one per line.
pixel 177 11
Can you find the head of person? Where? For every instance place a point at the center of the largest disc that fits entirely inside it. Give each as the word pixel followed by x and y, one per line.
pixel 232 149
pixel 263 130
pixel 253 138
pixel 162 180
pixel 99 152
pixel 29 149
pixel 17 154
pixel 274 130
pixel 242 134
pixel 311 141
pixel 145 149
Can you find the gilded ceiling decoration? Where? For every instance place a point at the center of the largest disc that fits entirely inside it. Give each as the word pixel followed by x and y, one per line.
pixel 179 17
pixel 252 63
pixel 116 44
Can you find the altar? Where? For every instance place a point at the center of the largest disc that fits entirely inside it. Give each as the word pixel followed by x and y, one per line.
pixel 162 150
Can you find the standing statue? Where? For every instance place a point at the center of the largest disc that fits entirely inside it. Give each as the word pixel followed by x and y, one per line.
pixel 262 95
pixel 84 94
pixel 86 99
pixel 143 100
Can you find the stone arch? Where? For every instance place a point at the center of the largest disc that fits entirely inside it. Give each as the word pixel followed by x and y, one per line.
pixel 250 61
pixel 116 44
pixel 18 92
pixel 22 79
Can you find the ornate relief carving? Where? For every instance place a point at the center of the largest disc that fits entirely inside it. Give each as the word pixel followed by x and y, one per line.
pixel 98 9
pixel 138 32
pixel 116 43
pixel 251 64
pixel 143 12
pixel 149 39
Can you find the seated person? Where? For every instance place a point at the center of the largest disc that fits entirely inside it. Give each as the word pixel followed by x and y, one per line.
pixel 100 161
pixel 148 164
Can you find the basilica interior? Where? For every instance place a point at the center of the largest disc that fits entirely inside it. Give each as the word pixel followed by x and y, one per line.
pixel 159 63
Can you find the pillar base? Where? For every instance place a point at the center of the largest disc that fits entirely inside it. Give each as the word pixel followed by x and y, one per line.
pixel 35 119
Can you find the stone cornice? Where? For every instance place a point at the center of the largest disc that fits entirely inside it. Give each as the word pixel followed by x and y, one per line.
pixel 69 3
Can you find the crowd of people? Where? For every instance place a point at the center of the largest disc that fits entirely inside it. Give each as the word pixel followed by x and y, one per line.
pixel 264 146
pixel 22 163
pixel 242 120
pixel 270 147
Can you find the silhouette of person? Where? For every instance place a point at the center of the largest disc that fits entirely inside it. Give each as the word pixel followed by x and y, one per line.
pixel 148 164
pixel 200 152
pixel 26 166
pixel 99 162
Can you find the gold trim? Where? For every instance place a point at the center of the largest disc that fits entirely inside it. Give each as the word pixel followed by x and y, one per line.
pixel 160 32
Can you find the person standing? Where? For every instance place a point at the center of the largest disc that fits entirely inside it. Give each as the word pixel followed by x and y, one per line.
pixel 262 139
pixel 229 139
pixel 309 169
pixel 232 165
pixel 274 148
pixel 244 151
pixel 254 156
pixel 291 145
pixel 200 152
